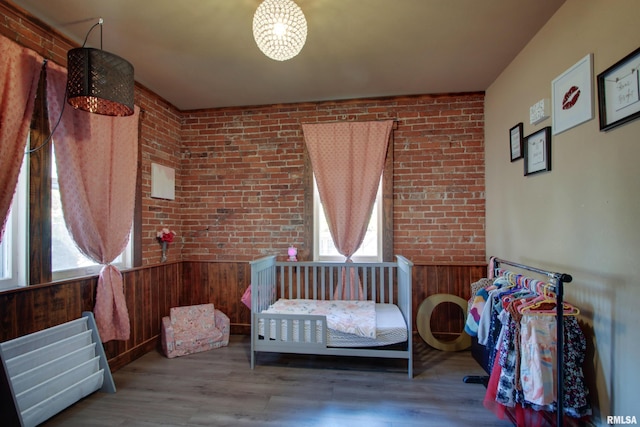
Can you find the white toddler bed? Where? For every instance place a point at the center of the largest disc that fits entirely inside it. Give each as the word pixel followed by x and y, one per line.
pixel 294 310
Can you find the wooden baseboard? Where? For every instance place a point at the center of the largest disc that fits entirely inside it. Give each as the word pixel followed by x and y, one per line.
pixel 240 329
pixel 132 354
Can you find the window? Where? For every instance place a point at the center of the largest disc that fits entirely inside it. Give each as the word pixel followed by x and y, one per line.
pixel 325 250
pixel 35 232
pixel 66 259
pixel 383 210
pixel 13 248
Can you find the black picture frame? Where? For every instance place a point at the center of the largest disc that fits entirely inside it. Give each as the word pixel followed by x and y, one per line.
pixel 537 152
pixel 619 92
pixel 516 142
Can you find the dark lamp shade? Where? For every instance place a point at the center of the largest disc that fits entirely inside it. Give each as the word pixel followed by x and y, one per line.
pixel 99 82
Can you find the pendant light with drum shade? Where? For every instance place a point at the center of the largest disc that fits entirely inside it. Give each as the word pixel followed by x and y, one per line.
pixel 98 81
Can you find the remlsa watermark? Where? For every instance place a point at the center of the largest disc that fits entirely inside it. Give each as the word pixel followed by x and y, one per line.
pixel 621 419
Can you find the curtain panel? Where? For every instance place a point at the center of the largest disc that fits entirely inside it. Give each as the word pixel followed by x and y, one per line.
pixel 19 74
pixel 347 159
pixel 96 159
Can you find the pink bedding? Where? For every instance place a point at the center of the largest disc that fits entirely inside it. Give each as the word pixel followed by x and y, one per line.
pixel 352 317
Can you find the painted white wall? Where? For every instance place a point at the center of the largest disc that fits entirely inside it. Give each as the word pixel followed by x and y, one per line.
pixel 583 217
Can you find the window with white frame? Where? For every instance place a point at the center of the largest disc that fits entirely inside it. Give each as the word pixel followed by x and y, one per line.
pixel 324 248
pixel 66 259
pixel 13 248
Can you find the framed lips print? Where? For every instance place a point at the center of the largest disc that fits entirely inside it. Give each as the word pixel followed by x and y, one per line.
pixel 572 96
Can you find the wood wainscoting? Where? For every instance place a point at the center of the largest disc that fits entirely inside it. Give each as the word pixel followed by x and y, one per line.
pixel 447 318
pixel 149 292
pixel 223 284
pixel 152 290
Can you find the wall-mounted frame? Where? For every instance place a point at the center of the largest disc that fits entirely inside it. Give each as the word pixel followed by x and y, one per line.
pixel 572 96
pixel 515 142
pixel 537 152
pixel 163 182
pixel 618 92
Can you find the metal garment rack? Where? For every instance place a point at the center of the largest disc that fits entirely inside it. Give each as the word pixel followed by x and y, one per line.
pixel 557 280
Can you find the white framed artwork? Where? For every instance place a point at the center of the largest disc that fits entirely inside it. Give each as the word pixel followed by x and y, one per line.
pixel 572 96
pixel 163 182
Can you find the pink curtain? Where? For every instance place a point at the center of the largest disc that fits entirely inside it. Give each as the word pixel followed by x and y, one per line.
pixel 347 160
pixel 96 158
pixel 19 74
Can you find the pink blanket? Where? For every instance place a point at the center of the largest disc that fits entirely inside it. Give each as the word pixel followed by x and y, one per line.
pixel 351 317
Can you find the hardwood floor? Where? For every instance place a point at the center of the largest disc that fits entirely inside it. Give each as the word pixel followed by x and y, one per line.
pixel 218 388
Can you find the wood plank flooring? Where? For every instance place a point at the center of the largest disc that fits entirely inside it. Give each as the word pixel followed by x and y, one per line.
pixel 218 388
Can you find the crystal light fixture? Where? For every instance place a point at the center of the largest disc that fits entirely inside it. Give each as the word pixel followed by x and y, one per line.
pixel 280 29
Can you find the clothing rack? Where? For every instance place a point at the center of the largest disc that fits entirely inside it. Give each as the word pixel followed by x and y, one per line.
pixel 557 281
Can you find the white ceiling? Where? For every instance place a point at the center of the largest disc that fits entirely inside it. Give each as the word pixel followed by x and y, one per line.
pixel 201 53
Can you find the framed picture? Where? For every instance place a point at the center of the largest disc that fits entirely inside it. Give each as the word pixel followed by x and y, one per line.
pixel 618 94
pixel 163 182
pixel 537 152
pixel 515 142
pixel 572 96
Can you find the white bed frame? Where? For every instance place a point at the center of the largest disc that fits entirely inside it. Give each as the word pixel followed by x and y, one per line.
pixel 382 282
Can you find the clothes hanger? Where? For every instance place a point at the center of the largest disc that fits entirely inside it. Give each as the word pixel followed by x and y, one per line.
pixel 539 292
pixel 546 303
pixel 549 308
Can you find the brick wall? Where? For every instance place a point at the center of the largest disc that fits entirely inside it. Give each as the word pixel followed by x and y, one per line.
pixel 242 176
pixel 160 125
pixel 239 171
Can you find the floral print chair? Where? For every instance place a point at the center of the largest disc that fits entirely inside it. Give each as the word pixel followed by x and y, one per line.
pixel 192 329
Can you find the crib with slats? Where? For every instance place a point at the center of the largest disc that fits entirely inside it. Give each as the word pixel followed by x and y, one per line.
pixel 384 285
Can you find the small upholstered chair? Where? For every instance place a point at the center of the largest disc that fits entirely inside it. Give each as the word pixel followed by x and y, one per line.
pixel 192 329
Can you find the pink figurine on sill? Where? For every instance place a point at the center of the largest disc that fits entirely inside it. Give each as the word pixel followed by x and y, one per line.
pixel 292 253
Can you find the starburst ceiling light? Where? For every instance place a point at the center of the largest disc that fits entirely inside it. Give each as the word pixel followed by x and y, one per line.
pixel 280 29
